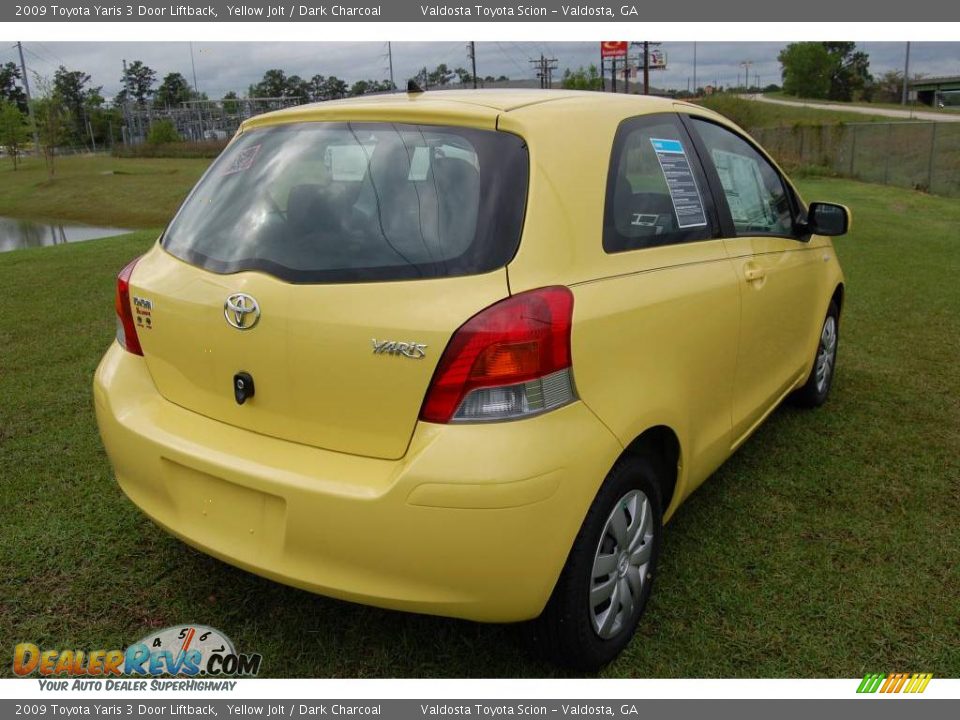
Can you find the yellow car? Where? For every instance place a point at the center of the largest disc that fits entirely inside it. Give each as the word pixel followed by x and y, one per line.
pixel 464 353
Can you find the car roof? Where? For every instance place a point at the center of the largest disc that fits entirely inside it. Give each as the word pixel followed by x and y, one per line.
pixel 463 106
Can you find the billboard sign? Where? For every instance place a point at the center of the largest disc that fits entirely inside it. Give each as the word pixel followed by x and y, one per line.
pixel 613 49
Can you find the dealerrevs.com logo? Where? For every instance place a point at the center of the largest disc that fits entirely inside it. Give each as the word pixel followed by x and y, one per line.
pixel 894 683
pixel 182 650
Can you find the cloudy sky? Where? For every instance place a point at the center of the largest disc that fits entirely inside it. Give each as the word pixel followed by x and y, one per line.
pixel 225 66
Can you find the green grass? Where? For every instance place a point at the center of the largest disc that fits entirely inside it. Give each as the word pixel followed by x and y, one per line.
pixel 99 189
pixel 829 545
pixel 752 114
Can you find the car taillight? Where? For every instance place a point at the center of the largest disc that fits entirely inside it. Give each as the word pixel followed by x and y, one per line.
pixel 126 329
pixel 509 361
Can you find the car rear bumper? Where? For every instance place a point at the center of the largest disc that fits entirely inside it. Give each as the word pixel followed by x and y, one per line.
pixel 475 521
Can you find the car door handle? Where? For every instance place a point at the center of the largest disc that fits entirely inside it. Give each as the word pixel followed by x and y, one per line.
pixel 753 273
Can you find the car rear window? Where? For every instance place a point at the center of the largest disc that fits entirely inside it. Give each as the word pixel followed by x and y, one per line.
pixel 351 202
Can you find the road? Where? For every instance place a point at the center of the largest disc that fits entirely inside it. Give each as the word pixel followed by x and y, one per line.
pixel 886 112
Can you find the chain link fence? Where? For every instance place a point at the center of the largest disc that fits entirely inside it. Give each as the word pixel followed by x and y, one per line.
pixel 199 120
pixel 918 155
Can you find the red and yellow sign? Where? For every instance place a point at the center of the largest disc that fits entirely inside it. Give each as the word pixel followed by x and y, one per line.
pixel 613 48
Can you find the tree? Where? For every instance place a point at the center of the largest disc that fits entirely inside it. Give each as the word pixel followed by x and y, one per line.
pixel 77 98
pixel 9 89
pixel 105 122
pixel 888 87
pixel 138 80
pixel 298 87
pixel 851 71
pixel 441 75
pixel 161 132
pixel 14 131
pixel 829 70
pixel 582 79
pixel 335 88
pixel 807 69
pixel 231 106
pixel 273 84
pixel 464 76
pixel 172 91
pixel 50 116
pixel 360 87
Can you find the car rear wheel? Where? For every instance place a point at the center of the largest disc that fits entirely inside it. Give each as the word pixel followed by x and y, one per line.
pixel 815 391
pixel 606 582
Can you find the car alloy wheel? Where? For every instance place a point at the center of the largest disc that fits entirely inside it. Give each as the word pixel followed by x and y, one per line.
pixel 620 565
pixel 827 353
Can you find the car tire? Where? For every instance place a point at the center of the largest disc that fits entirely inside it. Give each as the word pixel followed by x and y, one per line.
pixel 817 387
pixel 603 588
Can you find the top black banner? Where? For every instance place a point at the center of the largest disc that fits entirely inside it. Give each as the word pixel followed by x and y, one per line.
pixel 825 11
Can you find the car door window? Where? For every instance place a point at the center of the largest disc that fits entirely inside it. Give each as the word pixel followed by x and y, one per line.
pixel 656 190
pixel 758 200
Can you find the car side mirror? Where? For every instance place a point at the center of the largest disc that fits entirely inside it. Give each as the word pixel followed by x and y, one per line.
pixel 825 218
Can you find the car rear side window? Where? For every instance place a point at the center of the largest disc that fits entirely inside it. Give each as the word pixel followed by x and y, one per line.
pixel 352 202
pixel 656 190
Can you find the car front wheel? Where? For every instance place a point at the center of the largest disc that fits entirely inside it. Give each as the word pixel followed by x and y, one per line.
pixel 815 391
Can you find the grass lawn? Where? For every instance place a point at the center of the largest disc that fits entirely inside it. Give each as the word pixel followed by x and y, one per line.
pixel 829 546
pixel 98 189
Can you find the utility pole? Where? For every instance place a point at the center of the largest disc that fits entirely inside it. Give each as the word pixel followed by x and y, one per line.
pixel 694 68
pixel 545 67
pixel 26 90
pixel 126 101
pixel 196 90
pixel 193 67
pixel 393 85
pixel 906 75
pixel 472 54
pixel 746 78
pixel 549 65
pixel 646 67
pixel 603 70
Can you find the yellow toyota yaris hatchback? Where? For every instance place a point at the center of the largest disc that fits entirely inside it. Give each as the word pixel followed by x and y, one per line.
pixel 464 353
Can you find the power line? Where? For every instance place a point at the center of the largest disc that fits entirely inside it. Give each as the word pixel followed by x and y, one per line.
pixel 509 57
pixel 50 52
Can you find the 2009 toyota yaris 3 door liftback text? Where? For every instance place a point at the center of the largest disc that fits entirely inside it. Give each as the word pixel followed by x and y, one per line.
pixel 464 353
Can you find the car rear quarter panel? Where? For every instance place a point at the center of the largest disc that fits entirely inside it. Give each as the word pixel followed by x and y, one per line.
pixel 655 330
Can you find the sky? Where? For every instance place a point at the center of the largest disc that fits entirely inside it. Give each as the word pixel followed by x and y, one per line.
pixel 224 66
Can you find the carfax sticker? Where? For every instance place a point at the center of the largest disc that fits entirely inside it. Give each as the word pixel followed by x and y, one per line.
pixel 687 203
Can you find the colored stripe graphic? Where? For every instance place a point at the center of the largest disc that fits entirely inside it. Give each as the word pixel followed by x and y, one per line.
pixel 894 683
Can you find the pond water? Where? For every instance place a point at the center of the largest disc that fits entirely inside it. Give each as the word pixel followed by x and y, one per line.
pixel 16 233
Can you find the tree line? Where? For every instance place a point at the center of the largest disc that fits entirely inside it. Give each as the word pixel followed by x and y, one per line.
pixel 836 71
